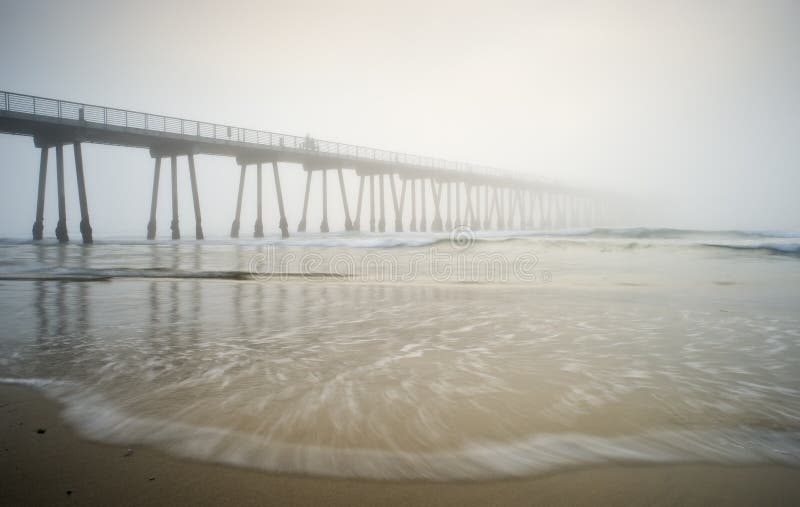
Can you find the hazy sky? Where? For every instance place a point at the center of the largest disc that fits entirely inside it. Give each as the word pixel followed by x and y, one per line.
pixel 693 107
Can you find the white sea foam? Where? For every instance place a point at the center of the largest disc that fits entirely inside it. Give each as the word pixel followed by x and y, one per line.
pixel 97 419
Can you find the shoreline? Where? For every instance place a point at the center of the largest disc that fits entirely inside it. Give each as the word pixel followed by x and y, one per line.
pixel 57 467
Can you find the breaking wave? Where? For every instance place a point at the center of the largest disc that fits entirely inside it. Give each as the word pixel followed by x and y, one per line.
pixel 99 275
pixel 401 240
pixel 95 418
pixel 791 249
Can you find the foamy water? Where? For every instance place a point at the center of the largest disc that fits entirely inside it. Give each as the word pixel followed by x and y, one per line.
pixel 641 346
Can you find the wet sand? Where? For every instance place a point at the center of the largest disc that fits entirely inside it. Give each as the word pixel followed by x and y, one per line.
pixel 57 467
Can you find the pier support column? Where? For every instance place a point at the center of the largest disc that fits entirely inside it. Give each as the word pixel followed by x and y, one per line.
pixel 258 229
pixel 323 227
pixel 529 215
pixel 569 212
pixel 413 226
pixel 86 228
pixel 61 226
pixel 458 220
pixel 398 208
pixel 487 221
pixel 544 211
pixel 476 218
pixel 371 203
pixel 567 201
pixel 531 200
pixel 475 198
pixel 301 227
pixel 198 220
pixel 498 204
pixel 436 226
pixel 151 225
pixel 512 208
pixel 491 209
pixel 235 224
pixel 423 222
pixel 38 224
pixel 448 224
pixel 547 212
pixel 283 224
pixel 382 219
pixel 348 225
pixel 176 231
pixel 508 200
pixel 469 217
pixel 357 222
pixel 587 213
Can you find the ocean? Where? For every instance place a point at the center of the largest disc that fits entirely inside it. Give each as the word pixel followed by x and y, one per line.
pixel 458 356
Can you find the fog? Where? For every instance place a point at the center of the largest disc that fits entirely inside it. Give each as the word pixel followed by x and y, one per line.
pixel 688 110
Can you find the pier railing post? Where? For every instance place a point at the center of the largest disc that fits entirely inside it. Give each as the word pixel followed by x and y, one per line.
pixel 38 224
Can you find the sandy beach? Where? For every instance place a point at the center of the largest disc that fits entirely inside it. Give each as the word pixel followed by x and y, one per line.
pixel 419 253
pixel 59 468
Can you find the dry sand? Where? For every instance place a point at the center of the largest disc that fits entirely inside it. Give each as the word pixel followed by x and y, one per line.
pixel 57 467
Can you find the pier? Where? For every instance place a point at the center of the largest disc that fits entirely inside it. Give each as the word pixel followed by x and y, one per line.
pixel 492 198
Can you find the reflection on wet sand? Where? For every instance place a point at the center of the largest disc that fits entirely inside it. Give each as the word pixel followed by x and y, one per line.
pixel 412 380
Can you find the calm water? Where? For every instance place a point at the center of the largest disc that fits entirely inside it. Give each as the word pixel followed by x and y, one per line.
pixel 408 356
